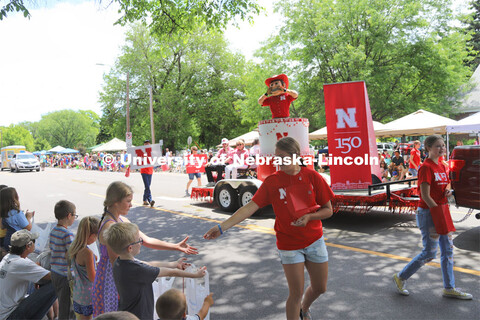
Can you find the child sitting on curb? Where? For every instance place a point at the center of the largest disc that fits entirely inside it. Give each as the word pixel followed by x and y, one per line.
pixel 173 305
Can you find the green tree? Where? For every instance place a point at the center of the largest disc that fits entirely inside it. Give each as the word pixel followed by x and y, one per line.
pixel 17 135
pixel 14 6
pixel 473 28
pixel 405 50
pixel 41 144
pixel 195 83
pixel 172 16
pixel 68 128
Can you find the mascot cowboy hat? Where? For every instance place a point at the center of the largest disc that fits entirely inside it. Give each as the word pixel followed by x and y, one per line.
pixel 282 77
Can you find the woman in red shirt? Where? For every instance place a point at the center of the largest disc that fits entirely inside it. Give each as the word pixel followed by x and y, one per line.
pixel 301 199
pixel 433 181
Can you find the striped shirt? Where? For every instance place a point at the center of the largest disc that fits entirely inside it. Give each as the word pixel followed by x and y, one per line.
pixel 60 240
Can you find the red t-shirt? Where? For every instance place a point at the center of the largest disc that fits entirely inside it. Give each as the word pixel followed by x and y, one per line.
pixel 274 191
pixel 148 170
pixel 279 105
pixel 437 177
pixel 414 158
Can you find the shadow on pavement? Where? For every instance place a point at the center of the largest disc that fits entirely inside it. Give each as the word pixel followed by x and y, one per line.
pixel 468 240
pixel 370 222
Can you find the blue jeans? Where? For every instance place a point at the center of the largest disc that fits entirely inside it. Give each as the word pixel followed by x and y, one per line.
pixel 36 305
pixel 430 245
pixel 147 181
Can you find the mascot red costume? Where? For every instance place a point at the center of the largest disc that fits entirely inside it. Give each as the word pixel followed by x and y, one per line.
pixel 278 97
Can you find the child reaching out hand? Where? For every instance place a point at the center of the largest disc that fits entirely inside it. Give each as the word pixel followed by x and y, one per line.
pixel 134 278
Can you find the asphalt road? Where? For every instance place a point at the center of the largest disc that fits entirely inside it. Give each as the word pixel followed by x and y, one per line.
pixel 245 274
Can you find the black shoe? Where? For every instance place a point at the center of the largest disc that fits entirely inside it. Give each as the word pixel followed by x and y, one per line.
pixel 152 203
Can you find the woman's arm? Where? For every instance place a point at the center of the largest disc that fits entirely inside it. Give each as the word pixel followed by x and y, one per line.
pixel 425 192
pixel 240 215
pixel 324 212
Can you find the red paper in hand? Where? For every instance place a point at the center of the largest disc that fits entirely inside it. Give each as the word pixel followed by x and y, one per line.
pixel 301 200
pixel 442 219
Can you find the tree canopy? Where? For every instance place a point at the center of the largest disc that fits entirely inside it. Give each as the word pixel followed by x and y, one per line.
pixel 68 128
pixel 195 82
pixel 405 50
pixel 172 16
pixel 473 29
pixel 17 135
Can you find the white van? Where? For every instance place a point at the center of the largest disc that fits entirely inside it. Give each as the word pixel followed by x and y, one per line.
pixel 385 146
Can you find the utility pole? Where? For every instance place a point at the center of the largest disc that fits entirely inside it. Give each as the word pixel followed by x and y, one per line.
pixel 151 115
pixel 128 101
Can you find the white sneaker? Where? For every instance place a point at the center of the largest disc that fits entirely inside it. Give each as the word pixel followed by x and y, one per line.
pixel 401 285
pixel 457 294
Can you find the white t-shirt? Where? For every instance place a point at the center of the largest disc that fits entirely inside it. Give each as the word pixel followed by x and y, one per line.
pixel 15 275
pixel 254 150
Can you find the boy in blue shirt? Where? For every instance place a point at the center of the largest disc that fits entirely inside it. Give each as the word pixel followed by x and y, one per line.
pixel 134 278
pixel 60 240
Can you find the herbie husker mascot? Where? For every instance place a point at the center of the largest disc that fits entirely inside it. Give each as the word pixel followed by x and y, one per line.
pixel 278 97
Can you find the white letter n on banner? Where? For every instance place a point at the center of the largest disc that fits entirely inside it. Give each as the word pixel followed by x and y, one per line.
pixel 344 119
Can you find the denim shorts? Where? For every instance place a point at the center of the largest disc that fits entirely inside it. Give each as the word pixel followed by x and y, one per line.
pixel 83 310
pixel 193 175
pixel 316 252
pixel 413 171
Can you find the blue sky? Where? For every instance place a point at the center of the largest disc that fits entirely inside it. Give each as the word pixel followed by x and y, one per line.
pixel 49 62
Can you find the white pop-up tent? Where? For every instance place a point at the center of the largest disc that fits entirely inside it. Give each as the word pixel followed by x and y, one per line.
pixel 247 137
pixel 56 149
pixel 418 123
pixel 113 145
pixel 321 134
pixel 468 125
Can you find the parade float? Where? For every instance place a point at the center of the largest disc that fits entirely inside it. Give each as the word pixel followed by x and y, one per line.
pixel 354 175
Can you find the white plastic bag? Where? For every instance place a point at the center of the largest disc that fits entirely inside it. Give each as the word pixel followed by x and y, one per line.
pixel 160 285
pixel 43 240
pixel 196 292
pixel 94 248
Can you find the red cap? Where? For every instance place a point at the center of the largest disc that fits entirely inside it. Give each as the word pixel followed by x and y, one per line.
pixel 282 77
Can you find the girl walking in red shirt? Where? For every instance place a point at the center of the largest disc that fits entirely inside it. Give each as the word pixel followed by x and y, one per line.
pixel 433 181
pixel 301 199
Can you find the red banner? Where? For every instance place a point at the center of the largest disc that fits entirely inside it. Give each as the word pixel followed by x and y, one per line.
pixel 196 163
pixel 351 139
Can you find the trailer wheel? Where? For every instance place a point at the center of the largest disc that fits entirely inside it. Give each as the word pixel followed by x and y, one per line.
pixel 227 198
pixel 246 195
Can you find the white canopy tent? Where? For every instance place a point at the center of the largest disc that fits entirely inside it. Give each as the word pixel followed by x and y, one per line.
pixel 321 134
pixel 461 128
pixel 473 119
pixel 247 137
pixel 113 145
pixel 56 149
pixel 418 123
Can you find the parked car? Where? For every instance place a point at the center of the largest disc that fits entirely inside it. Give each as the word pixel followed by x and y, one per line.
pixel 385 146
pixel 24 161
pixel 465 176
pixel 405 148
